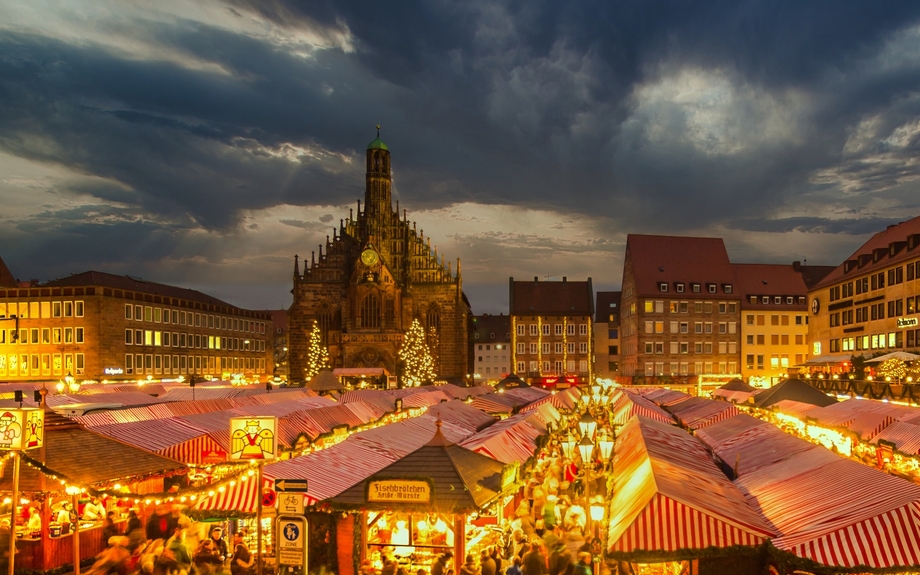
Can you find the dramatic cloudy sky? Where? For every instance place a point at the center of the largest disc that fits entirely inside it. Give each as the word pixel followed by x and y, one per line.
pixel 205 143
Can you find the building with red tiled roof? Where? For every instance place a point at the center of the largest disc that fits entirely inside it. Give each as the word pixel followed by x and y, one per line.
pixel 607 334
pixel 6 277
pixel 680 309
pixel 869 303
pixel 101 326
pixel 774 328
pixel 552 331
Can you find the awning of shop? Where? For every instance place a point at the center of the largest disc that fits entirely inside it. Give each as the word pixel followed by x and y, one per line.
pixel 826 508
pixel 359 372
pixel 698 412
pixel 669 495
pixel 792 407
pixel 459 413
pixel 628 404
pixel 826 360
pixel 238 498
pixel 904 435
pixel 511 440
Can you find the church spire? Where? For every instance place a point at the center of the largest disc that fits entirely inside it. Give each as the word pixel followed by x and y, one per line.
pixel 378 184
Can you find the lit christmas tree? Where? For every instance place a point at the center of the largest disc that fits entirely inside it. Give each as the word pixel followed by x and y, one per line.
pixel 418 365
pixel 317 354
pixel 893 368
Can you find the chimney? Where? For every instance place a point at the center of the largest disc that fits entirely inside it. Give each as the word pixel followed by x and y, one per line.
pixel 797 266
pixel 535 280
pixel 564 279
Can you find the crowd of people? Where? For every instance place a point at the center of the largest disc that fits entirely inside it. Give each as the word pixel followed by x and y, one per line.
pixel 167 545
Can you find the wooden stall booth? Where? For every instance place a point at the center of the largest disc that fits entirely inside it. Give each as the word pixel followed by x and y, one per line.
pixel 419 507
pixel 58 484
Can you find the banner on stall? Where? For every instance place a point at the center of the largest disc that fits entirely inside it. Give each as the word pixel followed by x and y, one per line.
pixel 398 491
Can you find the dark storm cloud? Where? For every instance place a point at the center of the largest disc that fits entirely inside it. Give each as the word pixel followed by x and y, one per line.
pixel 660 117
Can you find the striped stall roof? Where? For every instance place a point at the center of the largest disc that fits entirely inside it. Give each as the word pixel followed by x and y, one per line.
pixel 124 399
pixel 497 403
pixel 562 401
pixel 528 394
pixel 825 508
pixel 424 399
pixel 843 412
pixel 793 407
pixel 193 451
pixel 397 439
pixel 868 425
pixel 153 436
pixel 735 396
pixel 240 497
pixel 669 495
pixel 665 397
pixel 375 397
pixel 703 413
pixel 509 440
pixel 459 413
pixel 457 392
pixel 904 435
pixel 545 412
pixel 634 404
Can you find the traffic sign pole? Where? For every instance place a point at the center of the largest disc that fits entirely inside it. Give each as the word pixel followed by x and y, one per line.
pixel 291 542
pixel 259 523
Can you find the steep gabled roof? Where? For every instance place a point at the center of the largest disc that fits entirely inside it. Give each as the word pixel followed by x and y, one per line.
pixel 794 389
pixel 6 277
pixel 675 259
pixel 769 280
pixel 94 278
pixel 552 297
pixel 903 239
pixel 607 302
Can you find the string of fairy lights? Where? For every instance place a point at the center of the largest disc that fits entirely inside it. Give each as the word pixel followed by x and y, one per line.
pixel 418 365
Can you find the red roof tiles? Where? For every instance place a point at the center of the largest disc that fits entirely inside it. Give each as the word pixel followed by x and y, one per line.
pixel 674 259
pixel 6 277
pixel 552 297
pixel 769 280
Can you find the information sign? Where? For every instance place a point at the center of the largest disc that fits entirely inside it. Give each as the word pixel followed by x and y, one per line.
pixel 292 541
pixel 399 491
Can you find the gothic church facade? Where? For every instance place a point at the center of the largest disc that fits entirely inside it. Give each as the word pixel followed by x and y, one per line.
pixel 370 280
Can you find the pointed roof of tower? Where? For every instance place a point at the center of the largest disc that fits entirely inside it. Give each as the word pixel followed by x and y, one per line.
pixel 6 277
pixel 378 144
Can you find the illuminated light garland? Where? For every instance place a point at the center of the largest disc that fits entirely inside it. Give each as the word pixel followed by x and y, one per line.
pixel 418 365
pixel 317 354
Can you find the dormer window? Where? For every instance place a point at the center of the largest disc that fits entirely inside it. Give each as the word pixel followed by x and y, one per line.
pixel 765 300
pixel 695 288
pixel 790 300
pixel 801 300
pixel 727 288
pixel 711 288
pixel 778 300
pixel 680 288
pixel 753 299
pixel 662 286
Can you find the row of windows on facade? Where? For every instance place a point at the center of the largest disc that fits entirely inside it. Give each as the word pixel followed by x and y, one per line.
pixel 681 287
pixel 777 300
pixel 41 309
pixel 492 335
pixel 42 336
pixel 50 364
pixel 193 340
pixel 775 339
pixel 552 368
pixel 890 340
pixel 495 370
pixel 775 319
pixel 686 368
pixel 558 347
pixel 699 327
pixel 777 361
pixel 876 311
pixel 490 358
pixel 489 346
pixel 552 329
pixel 180 364
pixel 683 347
pixel 875 281
pixel 657 306
pixel 196 319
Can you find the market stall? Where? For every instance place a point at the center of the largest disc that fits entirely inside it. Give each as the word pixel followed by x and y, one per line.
pixel 58 481
pixel 670 497
pixel 419 507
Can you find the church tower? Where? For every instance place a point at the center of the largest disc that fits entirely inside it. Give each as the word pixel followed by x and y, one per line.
pixel 377 194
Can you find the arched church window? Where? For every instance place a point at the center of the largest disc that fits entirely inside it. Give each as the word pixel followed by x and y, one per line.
pixel 370 311
pixel 326 320
pixel 433 320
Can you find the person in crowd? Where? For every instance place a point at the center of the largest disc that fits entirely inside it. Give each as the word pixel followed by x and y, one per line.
pixel 486 563
pixel 35 520
pixel 109 529
pixel 583 567
pixel 242 560
pixel 94 510
pixel 207 560
pixel 161 524
pixel 469 567
pixel 217 538
pixel 439 567
pixel 177 552
pixel 389 566
pixel 497 557
pixel 534 561
pixel 135 531
pixel 421 572
pixel 560 560
pixel 518 540
pixel 515 567
pixel 367 568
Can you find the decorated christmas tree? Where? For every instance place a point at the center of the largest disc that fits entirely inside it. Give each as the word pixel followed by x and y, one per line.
pixel 418 365
pixel 893 368
pixel 317 354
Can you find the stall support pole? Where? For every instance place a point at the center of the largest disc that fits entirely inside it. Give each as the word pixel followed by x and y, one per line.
pixel 258 523
pixel 13 507
pixel 363 536
pixel 459 541
pixel 76 535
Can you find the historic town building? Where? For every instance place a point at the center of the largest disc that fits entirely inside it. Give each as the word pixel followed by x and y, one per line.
pixel 868 304
pixel 491 347
pixel 100 326
pixel 607 334
pixel 552 331
pixel 370 280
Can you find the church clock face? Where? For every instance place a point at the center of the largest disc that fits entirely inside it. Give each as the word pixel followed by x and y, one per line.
pixel 369 257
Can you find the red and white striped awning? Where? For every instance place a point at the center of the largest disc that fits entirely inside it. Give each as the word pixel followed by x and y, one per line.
pixel 669 495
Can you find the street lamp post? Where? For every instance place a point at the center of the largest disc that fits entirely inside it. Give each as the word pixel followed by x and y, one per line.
pixel 587 424
pixel 586 450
